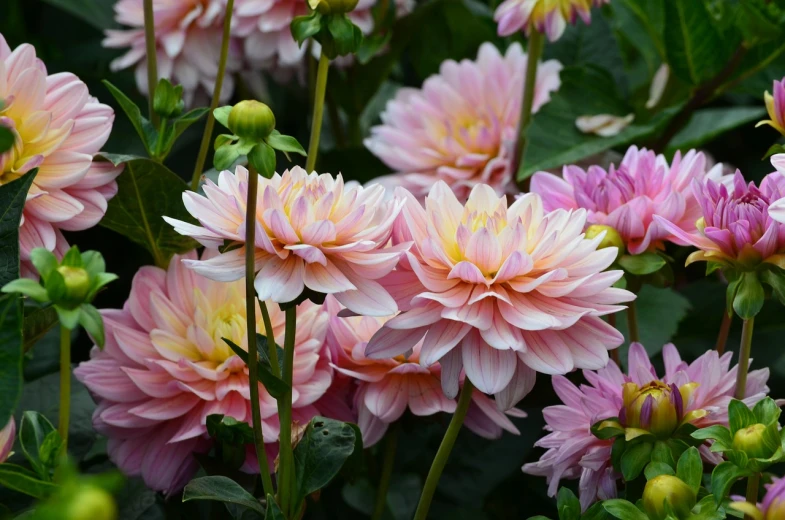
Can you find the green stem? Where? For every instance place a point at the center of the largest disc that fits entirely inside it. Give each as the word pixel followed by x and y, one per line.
pixel 152 65
pixel 335 122
pixel 722 337
pixel 250 314
pixel 632 322
pixel 752 491
pixel 744 357
pixel 270 335
pixel 533 51
pixel 443 454
pixel 286 468
pixel 65 385
pixel 219 81
pixel 318 112
pixel 391 443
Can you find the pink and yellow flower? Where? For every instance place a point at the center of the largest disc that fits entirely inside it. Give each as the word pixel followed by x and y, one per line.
pixel 628 197
pixel 312 232
pixel 546 16
pixel 499 292
pixel 58 128
pixel 165 368
pixel 460 127
pixel 703 390
pixel 775 106
pixel 7 437
pixel 772 507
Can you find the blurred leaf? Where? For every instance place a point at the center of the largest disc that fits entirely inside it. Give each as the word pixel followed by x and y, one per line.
pixel 722 478
pixel 759 20
pixel 273 511
pixel 12 202
pixel 10 355
pixel 634 459
pixel 24 481
pixel 98 13
pixel 144 128
pixel 644 263
pixel 221 489
pixel 135 501
pixel 37 322
pixel 708 123
pixel 567 505
pixel 624 510
pixel 641 23
pixel 147 191
pixel 6 139
pixel 34 429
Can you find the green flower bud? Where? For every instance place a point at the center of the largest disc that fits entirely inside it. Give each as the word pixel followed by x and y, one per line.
pixel 333 6
pixel 90 503
pixel 670 490
pixel 750 440
pixel 251 120
pixel 77 283
pixel 612 237
pixel 168 99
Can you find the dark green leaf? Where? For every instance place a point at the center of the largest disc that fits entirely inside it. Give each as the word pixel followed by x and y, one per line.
pixel 228 429
pixel 766 411
pixel 33 430
pixel 24 481
pixel 37 322
pixel 285 143
pixel 690 468
pixel 118 158
pixel 12 201
pixel 567 505
pixel 97 13
pixel 262 158
pixel 6 139
pixel 644 263
pixel 91 320
pixel 182 123
pixel 739 416
pixel 749 296
pixel 275 386
pixel 168 99
pixel 722 478
pixel 774 149
pixel 775 278
pixel 708 123
pixel 663 453
pixel 346 37
pixel 221 489
pixel 655 469
pixel 237 350
pixel 715 432
pixel 624 510
pixel 693 43
pixel 273 511
pixel 27 287
pixel 634 459
pixel 303 27
pixel 143 127
pixel 759 20
pixel 11 355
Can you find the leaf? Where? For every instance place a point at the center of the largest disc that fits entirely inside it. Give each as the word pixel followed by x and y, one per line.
pixel 145 129
pixel 221 489
pixel 91 320
pixel 24 481
pixel 708 123
pixel 567 505
pixel 634 459
pixel 716 432
pixel 262 158
pixel 624 510
pixel 739 416
pixel 12 202
pixel 6 139
pixel 221 114
pixel 37 322
pixel 284 143
pixel 766 411
pixel 326 445
pixel 147 191
pixel 33 430
pixel 759 21
pixel 692 42
pixel 27 287
pixel 655 469
pixel 644 263
pixel 303 27
pixel 275 386
pixel 11 354
pixel 690 468
pixel 97 13
pixel 182 123
pixel 722 478
pixel 273 511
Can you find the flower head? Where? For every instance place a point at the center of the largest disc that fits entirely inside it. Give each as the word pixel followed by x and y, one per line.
pixel 460 127
pixel 58 128
pixel 546 16
pixel 313 231
pixel 775 105
pixel 698 393
pixel 499 291
pixel 668 494
pixel 772 507
pixel 165 368
pixel 7 437
pixel 628 197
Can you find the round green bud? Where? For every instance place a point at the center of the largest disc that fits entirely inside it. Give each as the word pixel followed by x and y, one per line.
pixel 612 237
pixel 670 490
pixel 77 283
pixel 90 503
pixel 251 120
pixel 333 6
pixel 750 440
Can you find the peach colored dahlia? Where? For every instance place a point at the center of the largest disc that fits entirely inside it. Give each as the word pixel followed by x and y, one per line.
pixel 58 128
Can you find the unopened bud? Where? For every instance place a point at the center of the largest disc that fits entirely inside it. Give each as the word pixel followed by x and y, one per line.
pixel 91 503
pixel 670 490
pixel 77 283
pixel 168 99
pixel 333 6
pixel 251 120
pixel 751 440
pixel 612 237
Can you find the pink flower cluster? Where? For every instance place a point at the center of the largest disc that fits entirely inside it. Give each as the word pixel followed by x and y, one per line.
pixel 546 16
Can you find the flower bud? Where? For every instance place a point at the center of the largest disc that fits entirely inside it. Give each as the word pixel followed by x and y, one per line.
pixel 90 503
pixel 168 99
pixel 751 440
pixel 251 120
pixel 333 6
pixel 655 407
pixel 77 283
pixel 670 490
pixel 612 237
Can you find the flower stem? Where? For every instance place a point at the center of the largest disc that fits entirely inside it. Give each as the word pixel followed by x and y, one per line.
pixel 286 471
pixel 722 337
pixel 152 65
pixel 744 358
pixel 270 335
pixel 632 322
pixel 65 386
pixel 443 454
pixel 388 464
pixel 534 51
pixel 318 112
pixel 219 81
pixel 752 491
pixel 250 313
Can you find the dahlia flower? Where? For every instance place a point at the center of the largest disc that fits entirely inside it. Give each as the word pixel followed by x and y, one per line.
pixel 165 368
pixel 58 128
pixel 546 16
pixel 735 227
pixel 460 127
pixel 775 106
pixel 188 42
pixel 500 292
pixel 388 387
pixel 7 437
pixel 312 232
pixel 777 207
pixel 628 197
pixel 772 507
pixel 698 393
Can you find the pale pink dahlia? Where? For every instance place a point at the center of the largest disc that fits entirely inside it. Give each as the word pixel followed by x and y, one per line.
pixel 460 127
pixel 735 227
pixel 312 232
pixel 188 41
pixel 628 197
pixel 165 368
pixel 7 437
pixel 698 393
pixel 388 387
pixel 546 16
pixel 775 106
pixel 58 128
pixel 500 292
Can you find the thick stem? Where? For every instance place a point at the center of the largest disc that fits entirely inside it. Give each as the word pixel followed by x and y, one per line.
pixel 152 65
pixel 250 314
pixel 390 447
pixel 632 322
pixel 270 335
pixel 615 352
pixel 744 358
pixel 286 471
pixel 752 491
pixel 534 51
pixel 443 454
pixel 65 386
pixel 219 80
pixel 722 337
pixel 318 112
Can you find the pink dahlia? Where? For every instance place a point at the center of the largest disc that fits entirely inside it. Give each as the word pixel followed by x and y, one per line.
pixel 58 128
pixel 7 437
pixel 500 292
pixel 698 393
pixel 735 226
pixel 775 106
pixel 546 16
pixel 388 387
pixel 188 41
pixel 312 232
pixel 772 507
pixel 460 127
pixel 629 196
pixel 165 368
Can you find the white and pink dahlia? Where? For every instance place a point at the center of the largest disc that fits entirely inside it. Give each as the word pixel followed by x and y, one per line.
pixel 165 368
pixel 58 128
pixel 500 292
pixel 460 127
pixel 697 393
pixel 628 197
pixel 386 388
pixel 546 16
pixel 312 231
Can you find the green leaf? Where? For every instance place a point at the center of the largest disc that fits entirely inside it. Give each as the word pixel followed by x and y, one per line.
pixel 6 139
pixel 634 459
pixel 715 432
pixel 326 445
pixel 568 505
pixel 12 202
pixel 275 386
pixel 55 286
pixel 644 263
pixel 228 429
pixel 221 489
pixel 749 296
pixel 766 411
pixel 182 123
pixel 24 481
pixel 722 478
pixel 44 261
pixel 225 157
pixel 774 277
pixel 147 191
pixel 306 26
pixel 262 158
pixel 221 114
pixel 663 453
pixel 100 280
pixel 91 320
pixel 690 468
pixel 26 287
pixel 759 20
pixel 739 416
pixel 34 429
pixel 37 322
pixel 145 129
pixel 346 37
pixel 72 257
pixel 97 13
pixel 655 469
pixel 69 318
pixel 284 143
pixel 624 510
pixel 774 149
pixel 11 355
pixel 708 123
pixel 273 511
